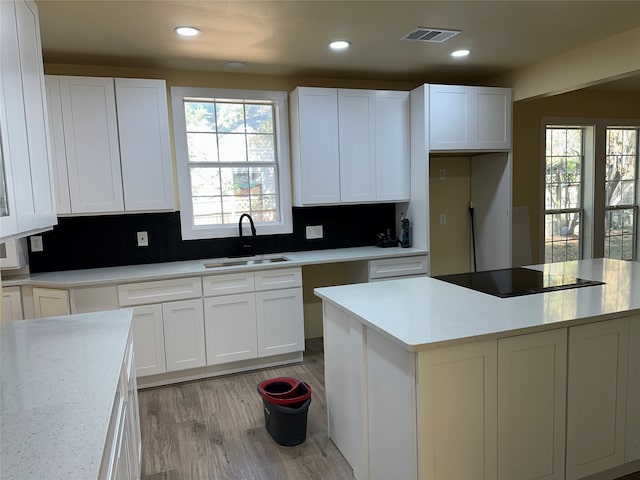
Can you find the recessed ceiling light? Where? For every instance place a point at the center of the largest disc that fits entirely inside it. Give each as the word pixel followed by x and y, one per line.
pixel 235 65
pixel 185 31
pixel 460 53
pixel 339 45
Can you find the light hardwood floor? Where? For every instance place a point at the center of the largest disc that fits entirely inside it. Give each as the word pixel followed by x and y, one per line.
pixel 214 429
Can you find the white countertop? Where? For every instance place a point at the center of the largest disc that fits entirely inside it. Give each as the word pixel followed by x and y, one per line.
pixel 59 379
pixel 421 313
pixel 160 271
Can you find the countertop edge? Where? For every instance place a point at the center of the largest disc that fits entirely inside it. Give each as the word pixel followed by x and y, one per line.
pixel 189 268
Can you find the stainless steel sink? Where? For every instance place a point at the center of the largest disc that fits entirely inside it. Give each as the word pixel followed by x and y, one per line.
pixel 238 262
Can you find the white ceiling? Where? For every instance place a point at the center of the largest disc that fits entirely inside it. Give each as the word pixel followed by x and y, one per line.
pixel 290 37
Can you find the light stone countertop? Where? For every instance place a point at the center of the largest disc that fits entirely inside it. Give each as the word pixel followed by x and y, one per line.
pixel 162 271
pixel 59 380
pixel 421 313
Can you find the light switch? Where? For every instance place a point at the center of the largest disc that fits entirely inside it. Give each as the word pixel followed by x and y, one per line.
pixel 443 219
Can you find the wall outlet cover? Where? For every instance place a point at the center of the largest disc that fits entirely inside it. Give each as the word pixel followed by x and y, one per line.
pixel 313 232
pixel 143 239
pixel 36 244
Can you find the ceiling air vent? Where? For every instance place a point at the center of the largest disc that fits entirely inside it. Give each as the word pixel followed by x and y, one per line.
pixel 432 35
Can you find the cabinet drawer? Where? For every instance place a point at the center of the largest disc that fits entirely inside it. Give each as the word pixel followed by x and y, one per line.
pixel 281 278
pixel 159 291
pixel 228 284
pixel 398 267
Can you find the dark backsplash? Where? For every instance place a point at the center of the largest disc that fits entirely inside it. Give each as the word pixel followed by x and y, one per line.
pixel 110 240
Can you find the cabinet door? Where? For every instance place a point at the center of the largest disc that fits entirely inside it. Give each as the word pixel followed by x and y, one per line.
pixel 91 143
pixel 357 142
pixel 316 163
pixel 633 392
pixel 11 115
pixel 11 304
pixel 58 153
pixel 452 114
pixel 230 328
pixel 148 340
pixel 50 302
pixel 143 129
pixel 494 118
pixel 393 159
pixel 280 322
pixel 532 374
pixel 596 399
pixel 184 334
pixel 457 412
pixel 35 204
pixel 27 203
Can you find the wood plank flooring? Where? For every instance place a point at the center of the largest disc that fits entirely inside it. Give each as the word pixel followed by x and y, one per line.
pixel 214 429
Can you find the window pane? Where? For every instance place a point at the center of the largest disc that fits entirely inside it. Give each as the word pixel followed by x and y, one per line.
pixel 202 147
pixel 200 117
pixel 562 236
pixel 233 147
pixel 260 148
pixel 230 117
pixel 266 177
pixel 621 166
pixel 619 234
pixel 207 210
pixel 205 182
pixel 259 118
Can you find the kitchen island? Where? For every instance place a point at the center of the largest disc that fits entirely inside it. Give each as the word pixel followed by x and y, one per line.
pixel 429 380
pixel 69 401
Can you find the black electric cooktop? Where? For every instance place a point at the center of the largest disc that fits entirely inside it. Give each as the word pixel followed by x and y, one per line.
pixel 514 282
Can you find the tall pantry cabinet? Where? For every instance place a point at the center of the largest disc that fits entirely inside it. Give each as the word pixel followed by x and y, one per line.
pixel 474 122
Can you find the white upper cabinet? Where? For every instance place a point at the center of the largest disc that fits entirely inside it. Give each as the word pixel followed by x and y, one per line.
pixel 145 154
pixel 357 144
pixel 469 118
pixel 349 146
pixel 314 139
pixel 91 144
pixel 111 144
pixel 27 199
pixel 393 129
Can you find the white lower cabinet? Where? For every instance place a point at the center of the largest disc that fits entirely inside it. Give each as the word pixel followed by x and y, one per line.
pixel 148 335
pixel 263 317
pixel 50 302
pixel 11 304
pixel 532 374
pixel 596 397
pixel 280 321
pixel 457 412
pixel 632 443
pixel 184 334
pixel 122 452
pixel 230 326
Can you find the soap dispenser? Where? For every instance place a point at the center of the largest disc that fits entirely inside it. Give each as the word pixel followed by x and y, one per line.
pixel 405 233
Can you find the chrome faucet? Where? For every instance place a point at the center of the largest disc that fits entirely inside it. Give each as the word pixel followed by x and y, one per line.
pixel 245 245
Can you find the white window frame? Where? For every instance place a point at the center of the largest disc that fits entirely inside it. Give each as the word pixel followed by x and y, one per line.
pixel 280 99
pixel 593 202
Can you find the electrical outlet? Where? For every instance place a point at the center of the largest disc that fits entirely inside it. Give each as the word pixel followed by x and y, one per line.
pixel 143 239
pixel 313 232
pixel 36 244
pixel 443 219
pixel 442 174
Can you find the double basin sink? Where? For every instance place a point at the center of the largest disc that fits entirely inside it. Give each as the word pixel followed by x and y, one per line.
pixel 242 262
